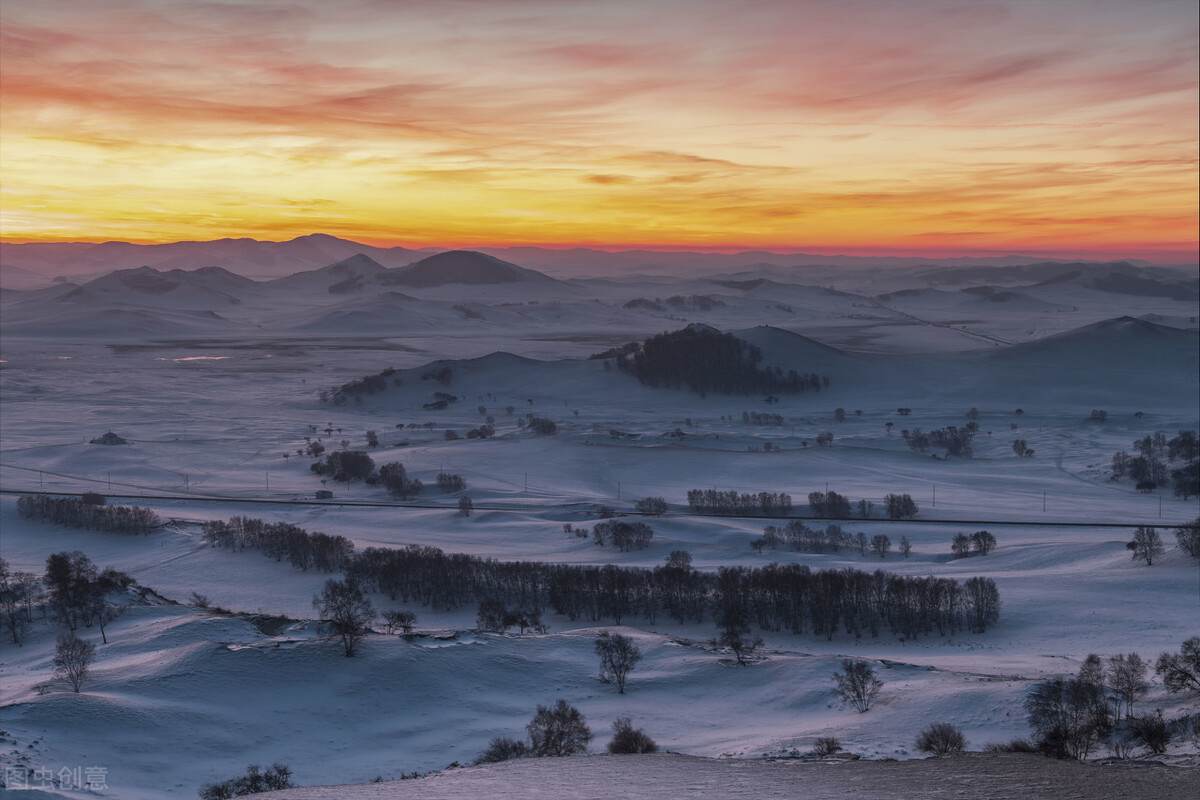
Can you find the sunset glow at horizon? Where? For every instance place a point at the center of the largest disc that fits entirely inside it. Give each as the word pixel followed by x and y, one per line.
pixel 856 126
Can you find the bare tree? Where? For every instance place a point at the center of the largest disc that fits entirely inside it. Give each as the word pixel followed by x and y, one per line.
pixel 1180 672
pixel 1146 545
pixel 341 603
pixel 16 592
pixel 983 542
pixel 961 546
pixel 1188 537
pixel 857 684
pixel 734 633
pixel 560 730
pixel 73 658
pixel 1070 717
pixel 465 506
pixel 905 546
pixel 404 620
pixel 880 543
pixel 618 656
pixel 1127 677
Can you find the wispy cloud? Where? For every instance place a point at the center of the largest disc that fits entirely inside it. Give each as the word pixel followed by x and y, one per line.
pixel 676 121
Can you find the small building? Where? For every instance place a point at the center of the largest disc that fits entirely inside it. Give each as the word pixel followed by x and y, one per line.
pixel 324 494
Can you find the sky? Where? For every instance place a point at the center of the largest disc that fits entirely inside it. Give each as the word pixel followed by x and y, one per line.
pixel 849 126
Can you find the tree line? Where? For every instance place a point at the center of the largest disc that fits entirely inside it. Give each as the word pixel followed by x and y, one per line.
pixel 280 541
pixel 76 513
pixel 776 597
pixel 713 501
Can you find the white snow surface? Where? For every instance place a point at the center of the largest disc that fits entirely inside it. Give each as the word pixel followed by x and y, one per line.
pixel 213 394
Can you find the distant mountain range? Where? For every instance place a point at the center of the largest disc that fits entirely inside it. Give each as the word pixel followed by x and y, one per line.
pixel 31 264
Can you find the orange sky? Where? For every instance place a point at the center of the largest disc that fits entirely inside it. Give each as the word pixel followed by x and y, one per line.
pixel 903 126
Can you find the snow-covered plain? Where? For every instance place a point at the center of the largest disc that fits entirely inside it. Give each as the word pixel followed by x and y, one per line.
pixel 214 381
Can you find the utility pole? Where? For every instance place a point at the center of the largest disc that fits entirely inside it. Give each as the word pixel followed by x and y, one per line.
pixel 935 496
pixel 527 482
pixel 619 493
pixel 1043 501
pixel 268 481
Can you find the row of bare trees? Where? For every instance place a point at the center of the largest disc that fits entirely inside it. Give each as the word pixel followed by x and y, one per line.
pixel 776 597
pixel 714 501
pixel 280 541
pixel 77 513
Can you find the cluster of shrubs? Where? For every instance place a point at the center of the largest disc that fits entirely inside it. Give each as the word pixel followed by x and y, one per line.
pixel 276 776
pixel 542 426
pixel 713 501
pixel 349 465
pixel 707 361
pixel 440 401
pixel 562 730
pixel 830 505
pixel 279 540
pixel 777 596
pixel 1072 717
pixel 954 440
pixel 755 418
pixel 624 536
pixel 655 506
pixel 442 375
pixel 357 389
pixel 88 513
pixel 1153 463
